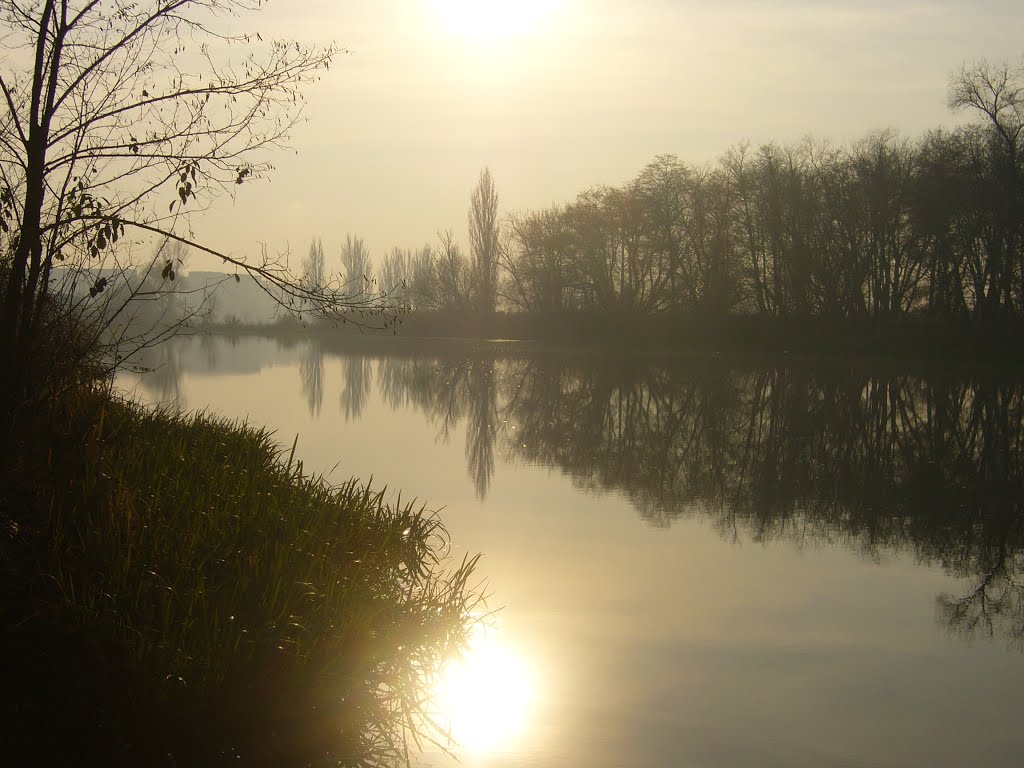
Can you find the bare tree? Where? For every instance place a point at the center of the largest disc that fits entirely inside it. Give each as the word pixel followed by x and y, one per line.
pixel 535 260
pixel 314 268
pixel 396 274
pixel 420 271
pixel 123 119
pixel 355 264
pixel 484 231
pixel 996 91
pixel 449 279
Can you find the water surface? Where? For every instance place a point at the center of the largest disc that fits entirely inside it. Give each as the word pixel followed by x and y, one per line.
pixel 697 563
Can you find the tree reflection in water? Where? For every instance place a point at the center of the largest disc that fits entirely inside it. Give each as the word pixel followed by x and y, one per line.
pixel 311 374
pixel 448 391
pixel 356 387
pixel 164 370
pixel 482 426
pixel 876 462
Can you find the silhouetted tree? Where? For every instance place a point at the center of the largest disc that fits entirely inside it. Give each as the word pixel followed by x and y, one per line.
pixel 996 91
pixel 314 268
pixel 740 169
pixel 536 262
pixel 939 207
pixel 450 278
pixel 884 169
pixel 357 273
pixel 396 274
pixel 421 267
pixel 883 228
pixel 484 233
pixel 110 127
pixel 662 188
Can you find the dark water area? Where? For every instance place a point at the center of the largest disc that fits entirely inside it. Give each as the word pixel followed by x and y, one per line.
pixel 697 562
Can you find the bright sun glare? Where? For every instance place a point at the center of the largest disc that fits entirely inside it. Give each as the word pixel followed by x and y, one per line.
pixel 484 698
pixel 482 20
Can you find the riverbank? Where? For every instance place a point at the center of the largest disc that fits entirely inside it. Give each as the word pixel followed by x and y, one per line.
pixel 917 342
pixel 178 585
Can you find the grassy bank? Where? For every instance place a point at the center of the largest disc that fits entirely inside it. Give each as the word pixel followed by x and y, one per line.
pixel 177 585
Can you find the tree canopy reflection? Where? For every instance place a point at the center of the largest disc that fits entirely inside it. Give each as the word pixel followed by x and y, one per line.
pixel 879 462
pixel 876 462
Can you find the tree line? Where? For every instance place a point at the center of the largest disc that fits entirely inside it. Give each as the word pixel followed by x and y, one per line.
pixel 434 277
pixel 885 227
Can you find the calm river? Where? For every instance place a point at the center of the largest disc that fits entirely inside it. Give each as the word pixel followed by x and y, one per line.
pixel 696 564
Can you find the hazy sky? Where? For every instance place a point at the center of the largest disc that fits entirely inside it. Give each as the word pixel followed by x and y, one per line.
pixel 560 95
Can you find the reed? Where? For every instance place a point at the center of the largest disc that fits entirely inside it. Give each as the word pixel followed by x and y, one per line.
pixel 225 601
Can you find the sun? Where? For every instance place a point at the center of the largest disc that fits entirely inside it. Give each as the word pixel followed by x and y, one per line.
pixel 483 700
pixel 488 20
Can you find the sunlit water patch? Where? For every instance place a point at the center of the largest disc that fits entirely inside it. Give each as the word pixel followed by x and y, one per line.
pixel 484 699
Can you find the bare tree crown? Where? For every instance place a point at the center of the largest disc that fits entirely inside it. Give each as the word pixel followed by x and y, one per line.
pixel 121 119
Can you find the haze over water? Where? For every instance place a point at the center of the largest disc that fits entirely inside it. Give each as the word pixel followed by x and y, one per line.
pixel 695 564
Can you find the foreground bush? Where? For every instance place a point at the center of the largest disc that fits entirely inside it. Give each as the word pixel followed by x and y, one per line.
pixel 193 596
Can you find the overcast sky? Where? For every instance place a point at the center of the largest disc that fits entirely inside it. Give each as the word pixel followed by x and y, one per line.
pixel 560 95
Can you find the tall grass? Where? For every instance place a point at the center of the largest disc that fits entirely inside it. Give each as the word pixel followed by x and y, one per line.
pixel 210 599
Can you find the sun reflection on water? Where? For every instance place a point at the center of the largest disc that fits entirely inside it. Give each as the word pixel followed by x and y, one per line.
pixel 484 698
